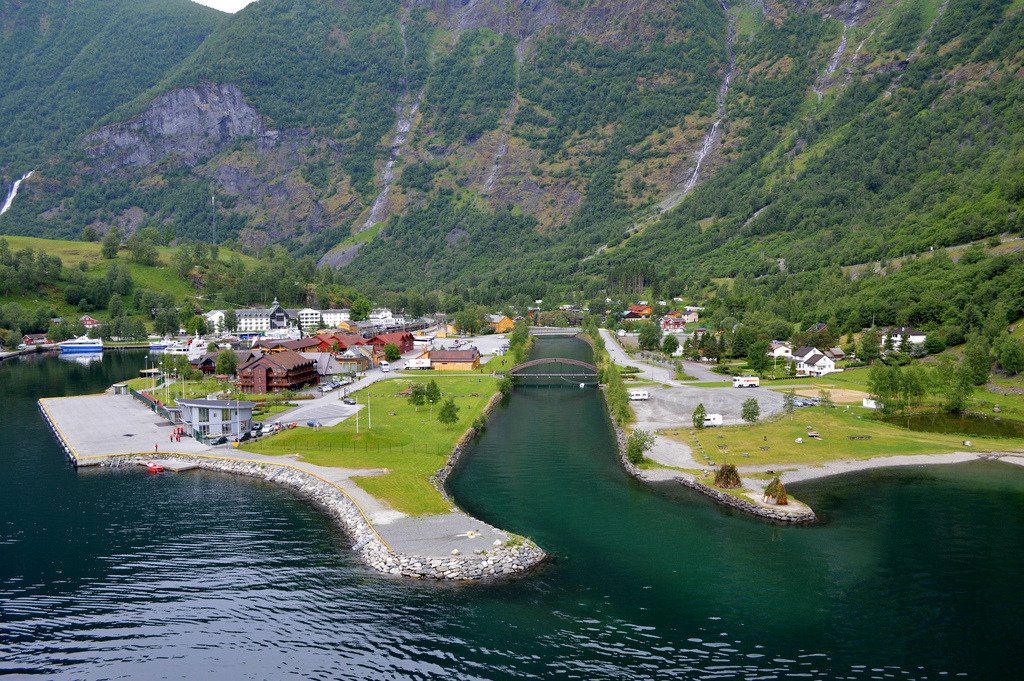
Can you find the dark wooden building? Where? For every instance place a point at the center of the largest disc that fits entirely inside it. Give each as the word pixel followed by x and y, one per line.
pixel 285 370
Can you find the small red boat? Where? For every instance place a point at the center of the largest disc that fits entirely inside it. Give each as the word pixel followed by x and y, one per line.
pixel 154 467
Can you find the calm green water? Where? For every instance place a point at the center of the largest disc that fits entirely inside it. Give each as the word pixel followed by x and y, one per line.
pixel 914 574
pixel 978 425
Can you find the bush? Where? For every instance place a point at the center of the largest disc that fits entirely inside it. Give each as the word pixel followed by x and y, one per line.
pixel 751 410
pixel 638 443
pixel 727 477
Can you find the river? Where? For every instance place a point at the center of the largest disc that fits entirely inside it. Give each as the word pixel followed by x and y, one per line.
pixel 913 574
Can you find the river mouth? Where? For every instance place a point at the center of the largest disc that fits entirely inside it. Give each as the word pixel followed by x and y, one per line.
pixel 967 423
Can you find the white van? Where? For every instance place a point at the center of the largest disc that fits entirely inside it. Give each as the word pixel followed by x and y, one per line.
pixel 745 381
pixel 712 420
pixel 385 367
pixel 639 395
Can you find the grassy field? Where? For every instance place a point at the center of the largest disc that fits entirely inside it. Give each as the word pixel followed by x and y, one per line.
pixel 403 439
pixel 264 412
pixel 742 445
pixel 160 277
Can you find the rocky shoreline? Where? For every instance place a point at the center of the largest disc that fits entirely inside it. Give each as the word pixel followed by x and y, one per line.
pixel 778 515
pixel 515 557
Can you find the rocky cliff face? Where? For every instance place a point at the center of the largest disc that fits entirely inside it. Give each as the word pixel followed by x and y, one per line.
pixel 189 124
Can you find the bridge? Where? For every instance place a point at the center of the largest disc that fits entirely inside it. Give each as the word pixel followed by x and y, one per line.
pixel 554 331
pixel 555 367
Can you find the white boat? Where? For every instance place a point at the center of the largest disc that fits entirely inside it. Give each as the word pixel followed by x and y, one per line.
pixel 82 344
pixel 176 348
pixel 159 345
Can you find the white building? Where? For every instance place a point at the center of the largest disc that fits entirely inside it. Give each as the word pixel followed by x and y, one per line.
pixel 309 318
pixel 256 320
pixel 213 418
pixel 813 362
pixel 215 320
pixel 780 350
pixel 893 337
pixel 334 317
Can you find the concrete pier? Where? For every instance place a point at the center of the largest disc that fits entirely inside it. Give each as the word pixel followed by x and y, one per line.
pixel 118 430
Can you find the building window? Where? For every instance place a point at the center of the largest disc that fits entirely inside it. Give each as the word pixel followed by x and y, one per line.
pixel 225 415
pixel 204 414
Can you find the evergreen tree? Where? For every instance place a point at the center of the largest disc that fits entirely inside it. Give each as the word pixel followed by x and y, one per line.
pixel 751 410
pixel 448 414
pixel 698 416
pixel 433 392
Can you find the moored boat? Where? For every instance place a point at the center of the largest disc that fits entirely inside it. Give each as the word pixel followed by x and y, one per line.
pixel 81 344
pixel 154 467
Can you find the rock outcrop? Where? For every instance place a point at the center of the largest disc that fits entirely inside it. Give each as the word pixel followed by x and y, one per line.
pixel 190 124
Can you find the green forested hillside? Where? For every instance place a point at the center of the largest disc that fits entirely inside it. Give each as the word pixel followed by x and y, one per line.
pixel 64 65
pixel 514 151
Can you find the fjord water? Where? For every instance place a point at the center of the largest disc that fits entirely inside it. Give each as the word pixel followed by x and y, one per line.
pixel 913 574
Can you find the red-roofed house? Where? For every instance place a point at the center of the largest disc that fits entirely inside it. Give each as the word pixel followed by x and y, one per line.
pixel 403 339
pixel 88 322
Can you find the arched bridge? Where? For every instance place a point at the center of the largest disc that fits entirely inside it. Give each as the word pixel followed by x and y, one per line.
pixel 554 367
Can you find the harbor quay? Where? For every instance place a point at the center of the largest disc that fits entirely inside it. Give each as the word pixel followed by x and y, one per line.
pixel 107 430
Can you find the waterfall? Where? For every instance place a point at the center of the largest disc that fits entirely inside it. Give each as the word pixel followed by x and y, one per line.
pixel 407 111
pixel 506 121
pixel 723 90
pixel 14 191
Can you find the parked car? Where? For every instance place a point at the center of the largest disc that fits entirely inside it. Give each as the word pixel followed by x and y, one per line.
pixel 314 424
pixel 244 437
pixel 349 400
pixel 258 426
pixel 219 441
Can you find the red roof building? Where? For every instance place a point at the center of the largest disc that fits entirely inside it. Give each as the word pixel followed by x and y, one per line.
pixel 284 370
pixel 403 339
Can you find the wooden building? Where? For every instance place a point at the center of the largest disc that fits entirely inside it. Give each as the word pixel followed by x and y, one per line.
pixel 284 370
pixel 454 360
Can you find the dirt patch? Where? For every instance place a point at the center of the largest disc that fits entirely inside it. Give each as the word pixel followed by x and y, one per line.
pixel 839 395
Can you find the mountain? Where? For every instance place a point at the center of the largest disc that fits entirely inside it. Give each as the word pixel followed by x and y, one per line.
pixel 509 149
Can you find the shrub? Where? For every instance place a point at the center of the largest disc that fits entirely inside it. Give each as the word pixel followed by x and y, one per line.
pixel 727 477
pixel 638 443
pixel 698 416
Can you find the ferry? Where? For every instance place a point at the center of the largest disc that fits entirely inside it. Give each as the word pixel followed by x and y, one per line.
pixel 159 345
pixel 81 344
pixel 176 348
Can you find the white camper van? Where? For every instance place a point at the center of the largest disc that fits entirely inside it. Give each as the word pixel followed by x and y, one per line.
pixel 639 395
pixel 712 420
pixel 745 381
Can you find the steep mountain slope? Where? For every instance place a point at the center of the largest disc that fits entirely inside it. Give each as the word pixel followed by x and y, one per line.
pixel 504 148
pixel 64 65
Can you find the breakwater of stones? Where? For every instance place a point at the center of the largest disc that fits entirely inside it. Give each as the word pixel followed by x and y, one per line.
pixel 506 560
pixel 778 514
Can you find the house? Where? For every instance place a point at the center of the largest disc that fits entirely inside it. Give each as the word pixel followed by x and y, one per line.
pixel 283 370
pixel 214 320
pixel 357 358
pixel 672 324
pixel 820 327
pixel 893 337
pixel 207 363
pixel 385 318
pixel 500 323
pixel 813 362
pixel 835 353
pixel 336 317
pixel 343 341
pixel 216 418
pixel 255 320
pixel 402 339
pixel 88 322
pixel 640 311
pixel 780 350
pixel 454 360
pixel 31 339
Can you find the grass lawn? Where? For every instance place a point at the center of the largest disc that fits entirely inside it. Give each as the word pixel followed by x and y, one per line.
pixel 406 441
pixel 187 390
pixel 727 445
pixel 851 379
pixel 160 277
pixel 263 412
